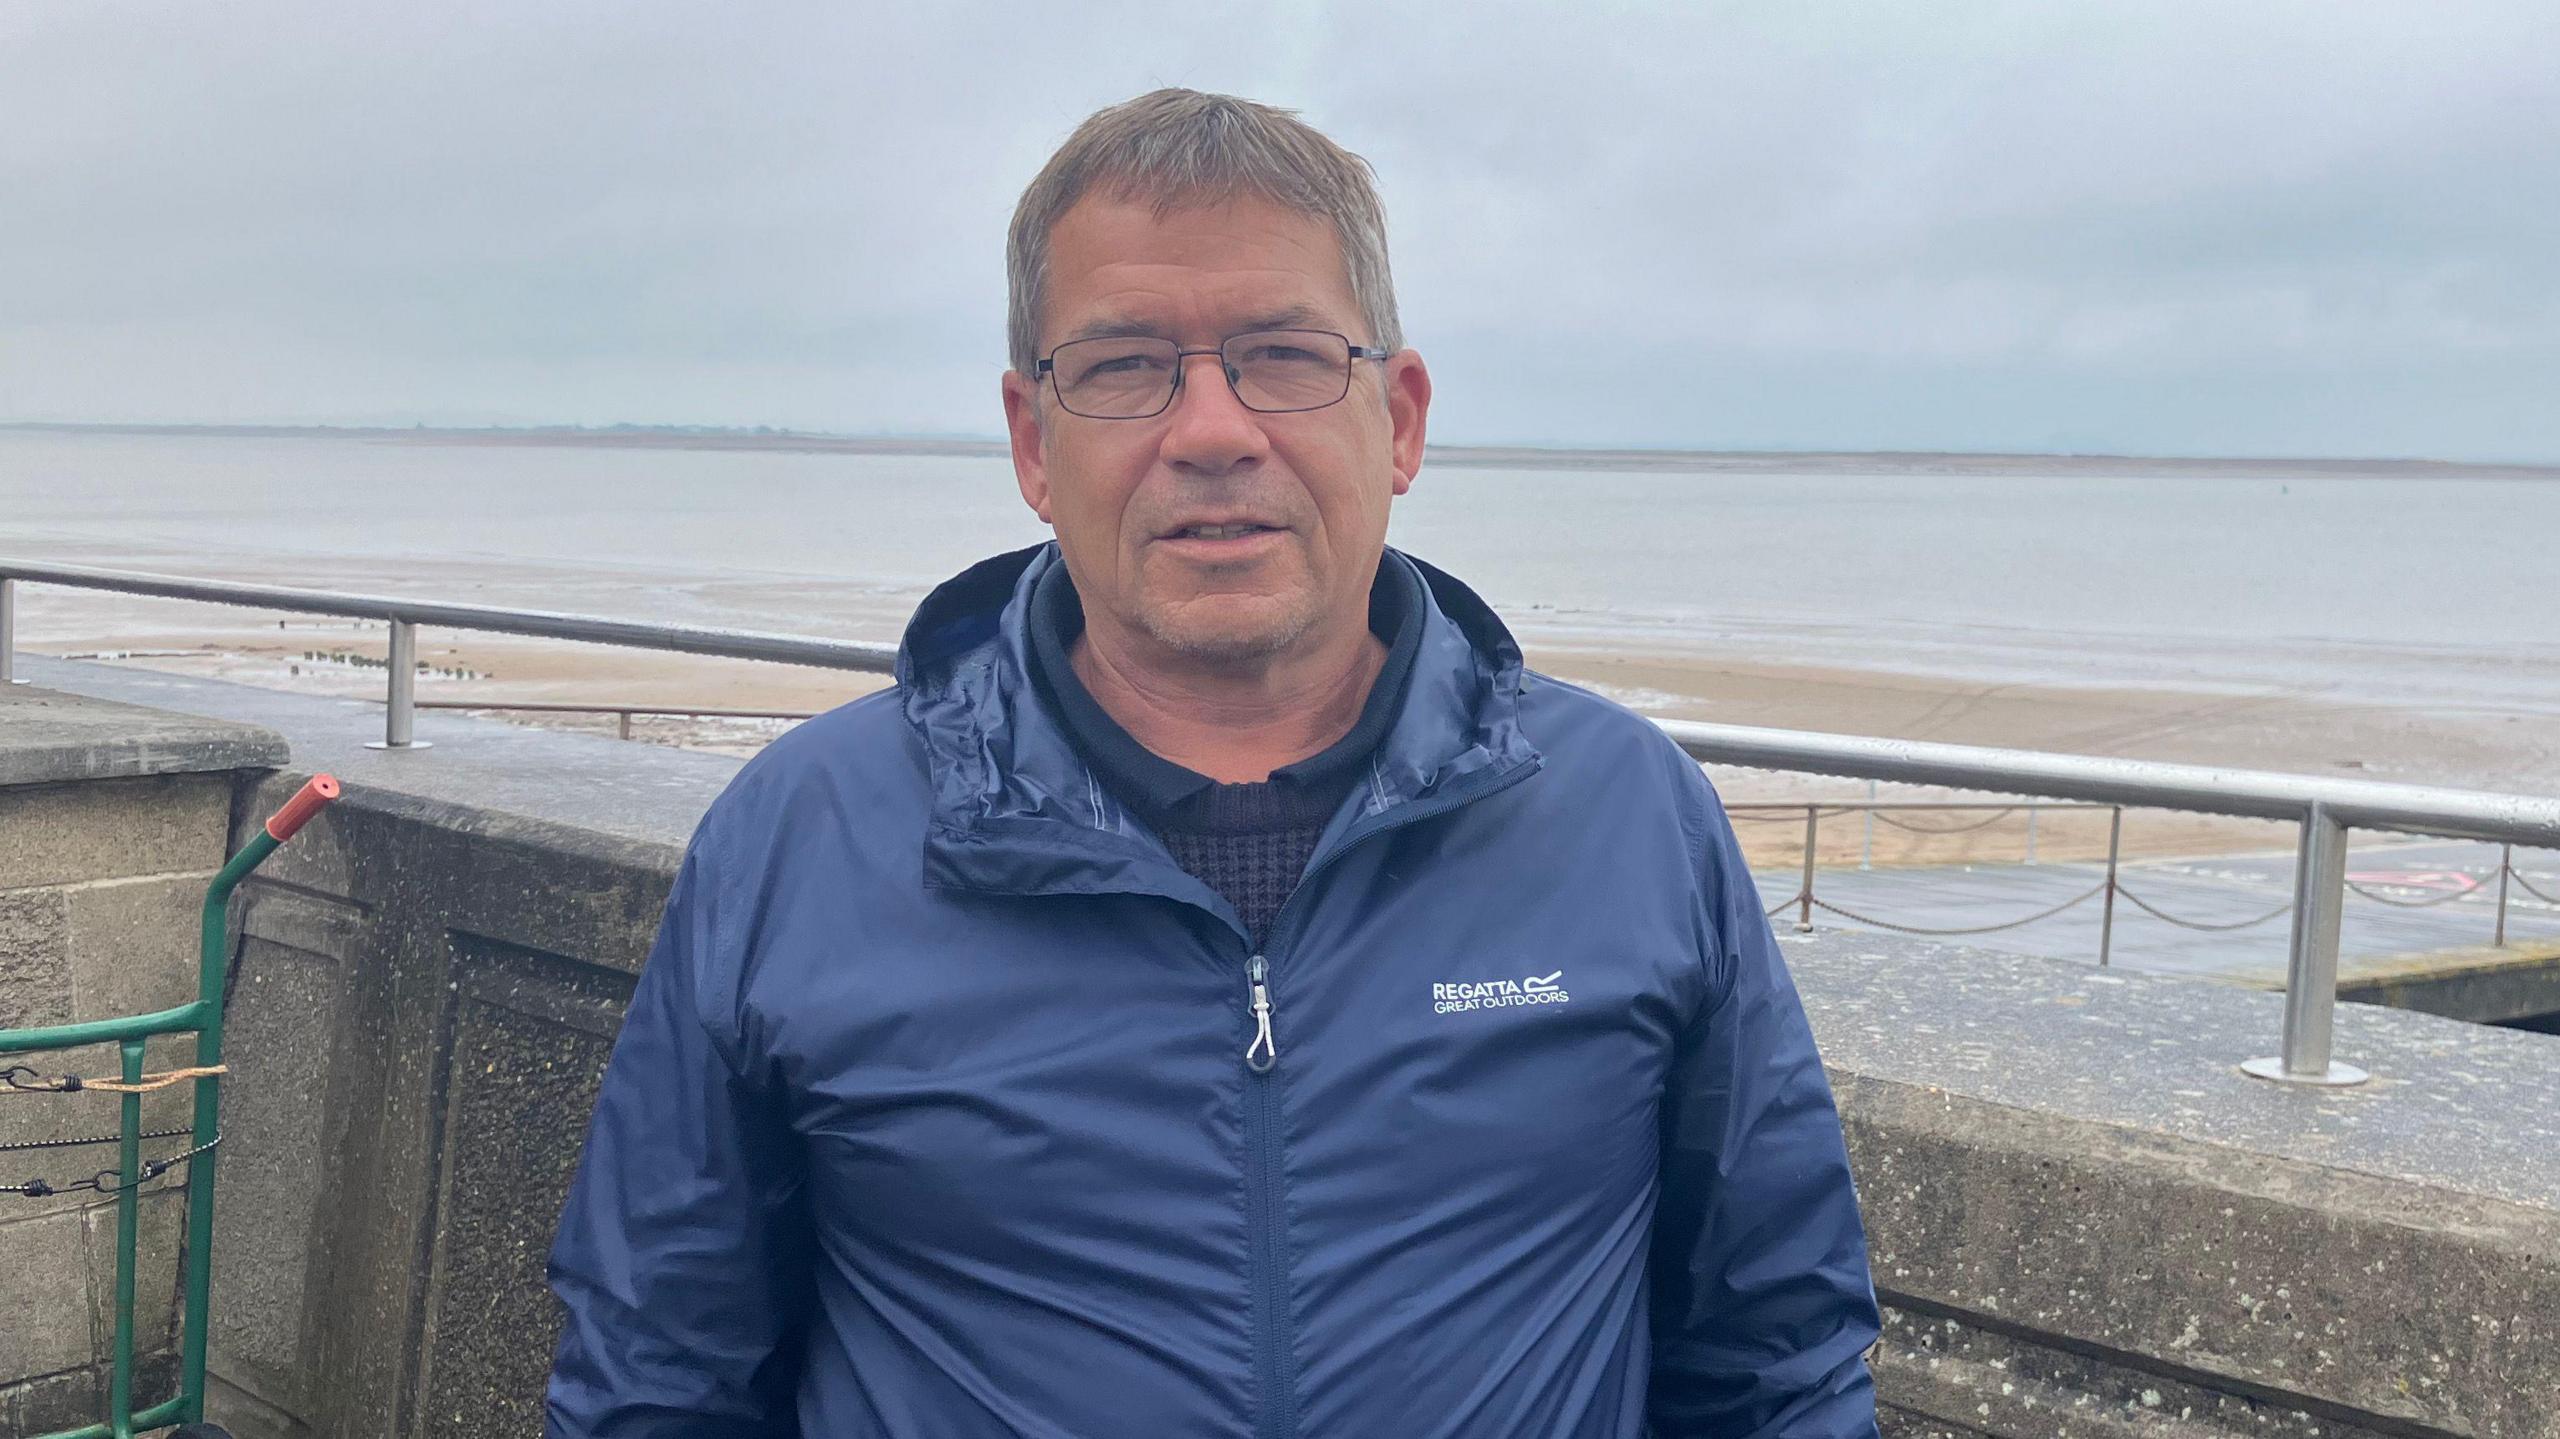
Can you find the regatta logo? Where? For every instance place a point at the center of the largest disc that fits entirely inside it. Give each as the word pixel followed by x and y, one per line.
pixel 1499 993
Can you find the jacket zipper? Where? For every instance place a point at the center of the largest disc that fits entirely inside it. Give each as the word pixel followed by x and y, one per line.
pixel 1278 1418
pixel 1275 1375
pixel 1260 1055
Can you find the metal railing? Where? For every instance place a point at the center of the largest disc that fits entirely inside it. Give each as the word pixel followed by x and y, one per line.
pixel 1804 902
pixel 2323 809
pixel 405 616
pixel 622 713
pixel 2112 887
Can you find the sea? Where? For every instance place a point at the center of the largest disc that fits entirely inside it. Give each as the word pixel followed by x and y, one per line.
pixel 2438 587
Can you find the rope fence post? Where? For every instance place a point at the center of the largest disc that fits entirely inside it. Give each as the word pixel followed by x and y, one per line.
pixel 1804 896
pixel 2107 923
pixel 1867 845
pixel 2031 831
pixel 8 629
pixel 622 724
pixel 2311 971
pixel 2506 866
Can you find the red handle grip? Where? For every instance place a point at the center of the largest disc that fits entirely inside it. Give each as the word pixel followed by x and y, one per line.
pixel 305 803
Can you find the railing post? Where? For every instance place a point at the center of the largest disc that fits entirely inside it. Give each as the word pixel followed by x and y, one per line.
pixel 8 629
pixel 400 705
pixel 1804 896
pixel 2506 865
pixel 2107 924
pixel 2031 831
pixel 2311 972
pixel 622 724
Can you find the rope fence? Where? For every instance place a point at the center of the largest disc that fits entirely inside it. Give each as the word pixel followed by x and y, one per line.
pixel 1984 823
pixel 1805 901
pixel 2199 925
pixel 2081 898
pixel 2447 897
pixel 1792 814
pixel 2527 886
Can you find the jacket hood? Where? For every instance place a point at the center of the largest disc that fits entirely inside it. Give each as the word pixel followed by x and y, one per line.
pixel 1016 809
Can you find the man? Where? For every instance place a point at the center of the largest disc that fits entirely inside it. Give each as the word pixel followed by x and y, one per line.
pixel 1218 990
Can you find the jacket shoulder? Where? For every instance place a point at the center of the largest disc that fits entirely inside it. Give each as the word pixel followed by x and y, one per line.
pixel 860 753
pixel 1565 720
pixel 1604 745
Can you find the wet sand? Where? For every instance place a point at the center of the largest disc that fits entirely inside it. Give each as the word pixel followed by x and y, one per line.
pixel 2467 748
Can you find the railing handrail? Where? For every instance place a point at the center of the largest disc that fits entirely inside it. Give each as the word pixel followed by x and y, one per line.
pixel 2324 807
pixel 494 619
pixel 2155 784
pixel 2149 784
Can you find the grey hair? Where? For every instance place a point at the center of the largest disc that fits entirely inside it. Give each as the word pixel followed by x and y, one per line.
pixel 1180 148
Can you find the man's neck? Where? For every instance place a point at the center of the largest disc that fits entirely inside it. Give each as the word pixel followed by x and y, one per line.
pixel 1234 725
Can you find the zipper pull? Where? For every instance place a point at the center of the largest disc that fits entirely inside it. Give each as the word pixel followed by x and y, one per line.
pixel 1262 1053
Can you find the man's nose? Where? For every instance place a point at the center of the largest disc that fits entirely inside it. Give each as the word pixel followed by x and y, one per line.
pixel 1209 431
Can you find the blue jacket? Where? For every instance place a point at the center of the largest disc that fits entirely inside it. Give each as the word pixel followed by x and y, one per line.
pixel 932 1116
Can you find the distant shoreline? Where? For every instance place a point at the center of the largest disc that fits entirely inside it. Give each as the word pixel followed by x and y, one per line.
pixel 1462 456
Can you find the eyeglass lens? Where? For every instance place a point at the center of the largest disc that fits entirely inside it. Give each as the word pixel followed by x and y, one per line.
pixel 1131 377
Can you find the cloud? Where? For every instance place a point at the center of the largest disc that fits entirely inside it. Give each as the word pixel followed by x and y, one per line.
pixel 2176 227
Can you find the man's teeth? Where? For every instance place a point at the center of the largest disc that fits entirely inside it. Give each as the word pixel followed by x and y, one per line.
pixel 1221 532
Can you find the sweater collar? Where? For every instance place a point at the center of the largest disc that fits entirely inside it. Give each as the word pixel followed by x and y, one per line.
pixel 1170 795
pixel 1017 809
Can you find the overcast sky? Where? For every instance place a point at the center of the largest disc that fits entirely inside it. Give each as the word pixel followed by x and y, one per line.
pixel 2146 227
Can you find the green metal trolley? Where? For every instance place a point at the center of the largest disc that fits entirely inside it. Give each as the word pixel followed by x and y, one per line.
pixel 203 1019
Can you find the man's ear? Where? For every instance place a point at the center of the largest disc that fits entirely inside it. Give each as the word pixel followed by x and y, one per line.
pixel 1408 408
pixel 1022 427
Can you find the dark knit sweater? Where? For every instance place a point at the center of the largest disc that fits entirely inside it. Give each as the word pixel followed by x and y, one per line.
pixel 1249 842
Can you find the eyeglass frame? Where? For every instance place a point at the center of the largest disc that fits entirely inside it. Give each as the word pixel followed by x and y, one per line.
pixel 1048 366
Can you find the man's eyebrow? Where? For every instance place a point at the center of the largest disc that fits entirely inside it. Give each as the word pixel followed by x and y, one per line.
pixel 1287 317
pixel 1113 329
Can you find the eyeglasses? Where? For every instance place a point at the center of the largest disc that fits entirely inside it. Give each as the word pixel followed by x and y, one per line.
pixel 1133 377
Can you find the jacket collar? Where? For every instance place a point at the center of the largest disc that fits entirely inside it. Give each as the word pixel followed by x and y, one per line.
pixel 1016 810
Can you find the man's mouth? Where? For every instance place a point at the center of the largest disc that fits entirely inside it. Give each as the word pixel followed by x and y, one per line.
pixel 1220 532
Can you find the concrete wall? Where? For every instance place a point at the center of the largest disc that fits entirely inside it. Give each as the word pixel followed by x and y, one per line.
pixel 112 820
pixel 429 980
pixel 2085 1221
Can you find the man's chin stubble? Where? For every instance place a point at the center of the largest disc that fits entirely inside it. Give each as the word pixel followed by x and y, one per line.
pixel 1228 646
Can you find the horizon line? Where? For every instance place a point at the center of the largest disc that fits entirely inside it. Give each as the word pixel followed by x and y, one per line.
pixel 771 436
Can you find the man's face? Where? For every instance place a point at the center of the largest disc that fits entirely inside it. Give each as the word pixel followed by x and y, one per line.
pixel 1295 504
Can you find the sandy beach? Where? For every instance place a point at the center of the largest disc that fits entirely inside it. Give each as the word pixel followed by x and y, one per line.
pixel 2413 744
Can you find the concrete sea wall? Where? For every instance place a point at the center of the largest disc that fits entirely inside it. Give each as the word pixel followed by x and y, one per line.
pixel 112 820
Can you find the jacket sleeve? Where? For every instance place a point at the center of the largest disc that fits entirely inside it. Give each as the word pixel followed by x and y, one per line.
pixel 1762 1305
pixel 683 1255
